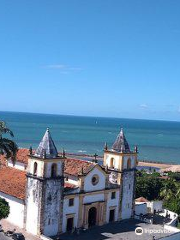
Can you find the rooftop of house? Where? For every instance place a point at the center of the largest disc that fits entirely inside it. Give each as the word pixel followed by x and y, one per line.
pixel 13 182
pixel 141 199
pixel 77 167
pixel 72 166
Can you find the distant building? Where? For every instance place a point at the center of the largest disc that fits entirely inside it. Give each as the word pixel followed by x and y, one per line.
pixel 50 194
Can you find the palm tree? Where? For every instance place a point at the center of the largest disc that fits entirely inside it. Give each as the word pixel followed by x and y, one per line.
pixel 7 146
pixel 169 190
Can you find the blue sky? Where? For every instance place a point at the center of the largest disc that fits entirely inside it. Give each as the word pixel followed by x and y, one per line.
pixel 116 58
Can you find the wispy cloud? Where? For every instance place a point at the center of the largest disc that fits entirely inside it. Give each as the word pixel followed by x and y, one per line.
pixel 56 66
pixel 64 69
pixel 143 106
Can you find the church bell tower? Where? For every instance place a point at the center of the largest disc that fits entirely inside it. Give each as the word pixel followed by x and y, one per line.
pixel 45 185
pixel 121 162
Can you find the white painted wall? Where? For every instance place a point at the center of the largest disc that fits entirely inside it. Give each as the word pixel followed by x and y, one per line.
pixel 132 161
pixel 18 165
pixel 32 207
pixel 173 217
pixel 127 194
pixel 88 186
pixel 16 215
pixel 116 160
pixel 72 181
pixel 93 198
pixel 40 167
pixel 112 203
pixel 52 207
pixel 49 166
pixel 140 208
pixel 70 210
pixel 155 205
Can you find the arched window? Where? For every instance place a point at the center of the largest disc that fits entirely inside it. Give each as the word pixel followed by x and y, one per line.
pixel 35 169
pixel 112 163
pixel 54 170
pixel 128 163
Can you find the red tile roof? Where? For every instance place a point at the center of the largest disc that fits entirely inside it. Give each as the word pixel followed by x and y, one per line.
pixel 74 166
pixel 13 182
pixel 69 185
pixel 22 156
pixel 141 199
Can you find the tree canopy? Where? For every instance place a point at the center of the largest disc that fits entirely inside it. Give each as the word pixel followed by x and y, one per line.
pixel 7 146
pixel 4 208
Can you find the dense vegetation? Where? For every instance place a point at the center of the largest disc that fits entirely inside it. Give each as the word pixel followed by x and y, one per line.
pixel 9 149
pixel 153 187
pixel 4 209
pixel 7 146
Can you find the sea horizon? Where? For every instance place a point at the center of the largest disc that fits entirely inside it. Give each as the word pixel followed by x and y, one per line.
pixel 157 140
pixel 89 116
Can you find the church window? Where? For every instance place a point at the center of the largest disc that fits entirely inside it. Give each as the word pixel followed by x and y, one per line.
pixel 128 163
pixel 112 163
pixel 35 169
pixel 71 202
pixel 54 170
pixel 95 179
pixel 113 195
pixel 49 198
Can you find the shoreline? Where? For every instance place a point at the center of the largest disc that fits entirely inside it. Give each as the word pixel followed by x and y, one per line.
pixel 141 163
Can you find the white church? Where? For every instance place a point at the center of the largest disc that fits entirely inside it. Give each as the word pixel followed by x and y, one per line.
pixel 51 194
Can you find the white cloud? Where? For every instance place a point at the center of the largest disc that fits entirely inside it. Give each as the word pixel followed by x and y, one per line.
pixel 64 69
pixel 144 106
pixel 56 66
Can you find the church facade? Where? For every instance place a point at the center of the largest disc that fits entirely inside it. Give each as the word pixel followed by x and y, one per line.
pixel 50 193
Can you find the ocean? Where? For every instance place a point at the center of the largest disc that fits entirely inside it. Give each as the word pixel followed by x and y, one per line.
pixel 156 140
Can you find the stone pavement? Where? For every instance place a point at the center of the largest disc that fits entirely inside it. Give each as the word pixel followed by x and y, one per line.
pixel 3 237
pixel 124 230
pixel 8 226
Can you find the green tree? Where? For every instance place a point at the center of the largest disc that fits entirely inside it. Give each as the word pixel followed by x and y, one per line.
pixel 148 185
pixel 4 208
pixel 7 146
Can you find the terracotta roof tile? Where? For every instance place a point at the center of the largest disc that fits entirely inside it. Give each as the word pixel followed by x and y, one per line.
pixel 13 182
pixel 141 199
pixel 22 156
pixel 74 166
pixel 69 185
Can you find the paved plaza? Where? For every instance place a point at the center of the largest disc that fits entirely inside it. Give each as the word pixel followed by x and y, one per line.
pixel 124 230
pixel 8 226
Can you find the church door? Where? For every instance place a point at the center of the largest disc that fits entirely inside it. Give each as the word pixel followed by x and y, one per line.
pixel 70 224
pixel 111 215
pixel 92 216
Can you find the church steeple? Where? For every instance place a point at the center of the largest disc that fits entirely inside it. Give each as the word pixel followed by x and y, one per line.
pixel 121 144
pixel 46 148
pixel 45 181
